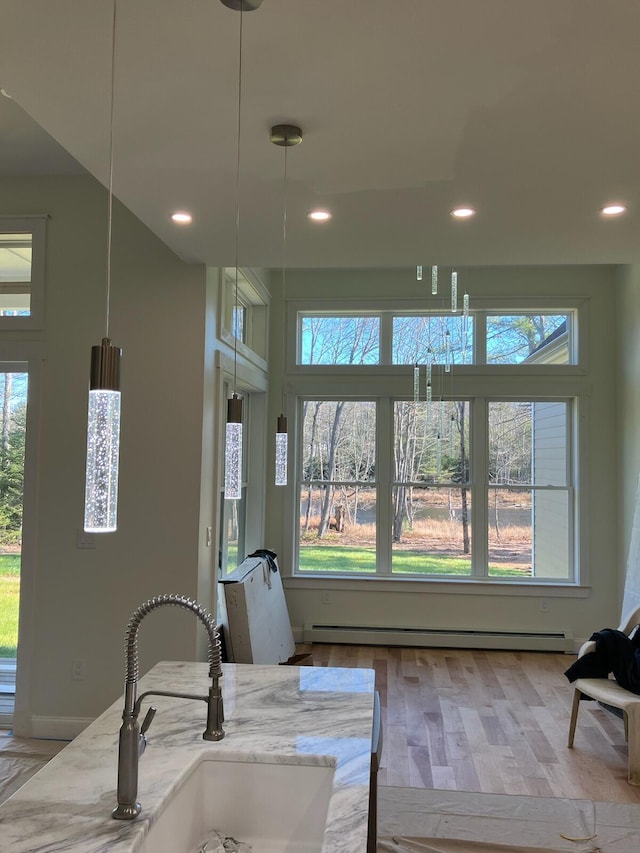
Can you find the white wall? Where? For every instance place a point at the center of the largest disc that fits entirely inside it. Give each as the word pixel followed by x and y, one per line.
pixel 627 338
pixel 77 602
pixel 434 604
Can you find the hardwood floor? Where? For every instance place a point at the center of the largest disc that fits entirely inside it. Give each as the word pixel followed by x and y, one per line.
pixel 488 721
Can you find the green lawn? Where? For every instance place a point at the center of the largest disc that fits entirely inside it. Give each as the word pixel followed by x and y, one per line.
pixel 337 558
pixel 9 601
pixel 10 564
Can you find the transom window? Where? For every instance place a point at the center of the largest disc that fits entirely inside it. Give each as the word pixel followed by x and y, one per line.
pixel 481 337
pixel 21 272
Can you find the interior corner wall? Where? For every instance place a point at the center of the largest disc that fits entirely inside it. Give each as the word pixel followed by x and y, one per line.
pixel 628 392
pixel 80 599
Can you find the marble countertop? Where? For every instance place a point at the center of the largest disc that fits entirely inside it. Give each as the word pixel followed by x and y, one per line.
pixel 284 711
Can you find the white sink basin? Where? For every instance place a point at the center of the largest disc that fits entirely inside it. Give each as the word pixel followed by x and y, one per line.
pixel 276 807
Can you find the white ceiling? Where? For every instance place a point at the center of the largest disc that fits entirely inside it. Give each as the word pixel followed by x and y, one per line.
pixel 525 109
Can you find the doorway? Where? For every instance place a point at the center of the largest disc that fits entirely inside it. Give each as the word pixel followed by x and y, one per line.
pixel 13 421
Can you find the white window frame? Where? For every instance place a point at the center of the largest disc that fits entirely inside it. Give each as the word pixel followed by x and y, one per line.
pixel 36 226
pixel 477 382
pixel 254 298
pixel 576 308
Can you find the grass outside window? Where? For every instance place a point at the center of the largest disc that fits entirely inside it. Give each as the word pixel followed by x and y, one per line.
pixel 9 601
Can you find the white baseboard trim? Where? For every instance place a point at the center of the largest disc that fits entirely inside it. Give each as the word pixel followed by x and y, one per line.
pixel 58 728
pixel 302 636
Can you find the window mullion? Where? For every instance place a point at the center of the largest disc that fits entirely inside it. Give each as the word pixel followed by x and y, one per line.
pixel 386 337
pixel 384 469
pixel 479 489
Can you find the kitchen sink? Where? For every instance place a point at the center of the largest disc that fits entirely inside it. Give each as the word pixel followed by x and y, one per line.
pixel 272 804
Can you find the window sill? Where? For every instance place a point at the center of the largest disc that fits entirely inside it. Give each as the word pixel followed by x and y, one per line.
pixel 459 586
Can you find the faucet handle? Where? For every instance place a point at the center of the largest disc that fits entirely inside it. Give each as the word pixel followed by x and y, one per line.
pixel 148 719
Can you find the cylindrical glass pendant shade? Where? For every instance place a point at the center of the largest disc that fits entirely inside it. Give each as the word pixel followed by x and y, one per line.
pixel 281 451
pixel 447 351
pixel 434 280
pixel 233 450
pixel 416 383
pixel 103 448
pixel 103 440
pixel 454 291
pixel 419 272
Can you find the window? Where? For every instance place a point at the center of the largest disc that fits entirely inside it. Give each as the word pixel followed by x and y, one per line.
pixel 436 489
pixel 529 495
pixel 528 338
pixel 21 272
pixel 430 497
pixel 339 488
pixel 476 485
pixel 539 338
pixel 342 339
pixel 243 314
pixel 432 338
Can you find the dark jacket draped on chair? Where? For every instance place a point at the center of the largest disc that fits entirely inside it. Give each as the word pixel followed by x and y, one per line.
pixel 615 652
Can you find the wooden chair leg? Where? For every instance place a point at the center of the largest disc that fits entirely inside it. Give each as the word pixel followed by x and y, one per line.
pixel 632 717
pixel 574 716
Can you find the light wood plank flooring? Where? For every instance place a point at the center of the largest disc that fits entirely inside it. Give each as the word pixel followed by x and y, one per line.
pixel 488 721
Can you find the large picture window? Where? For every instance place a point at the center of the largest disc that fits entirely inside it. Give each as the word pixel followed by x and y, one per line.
pixel 476 485
pixel 436 491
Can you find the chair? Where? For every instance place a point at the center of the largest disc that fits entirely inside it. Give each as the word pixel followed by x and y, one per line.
pixel 609 692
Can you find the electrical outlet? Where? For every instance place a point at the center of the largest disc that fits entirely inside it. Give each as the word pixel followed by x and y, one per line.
pixel 326 597
pixel 78 669
pixel 544 605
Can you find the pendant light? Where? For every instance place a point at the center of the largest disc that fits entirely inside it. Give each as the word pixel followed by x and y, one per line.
pixel 233 429
pixel 286 136
pixel 103 422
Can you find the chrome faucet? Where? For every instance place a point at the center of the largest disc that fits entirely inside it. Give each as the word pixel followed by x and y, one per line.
pixel 132 737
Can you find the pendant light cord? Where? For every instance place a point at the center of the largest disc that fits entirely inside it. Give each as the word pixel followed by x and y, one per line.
pixel 284 270
pixel 110 187
pixel 235 335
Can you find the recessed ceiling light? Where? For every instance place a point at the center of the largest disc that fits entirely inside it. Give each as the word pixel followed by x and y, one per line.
pixel 182 217
pixel 319 215
pixel 463 212
pixel 613 209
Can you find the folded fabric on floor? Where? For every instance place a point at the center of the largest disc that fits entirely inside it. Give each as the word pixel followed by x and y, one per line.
pixel 614 652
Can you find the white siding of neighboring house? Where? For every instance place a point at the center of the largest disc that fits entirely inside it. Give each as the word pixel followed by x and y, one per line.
pixel 551 521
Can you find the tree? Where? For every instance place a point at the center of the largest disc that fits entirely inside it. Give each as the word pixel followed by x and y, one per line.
pixel 511 339
pixel 12 444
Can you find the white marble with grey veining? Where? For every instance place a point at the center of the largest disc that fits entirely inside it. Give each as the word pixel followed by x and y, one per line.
pixel 270 711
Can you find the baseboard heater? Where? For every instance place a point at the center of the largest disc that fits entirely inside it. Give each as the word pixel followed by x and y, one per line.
pixel 547 641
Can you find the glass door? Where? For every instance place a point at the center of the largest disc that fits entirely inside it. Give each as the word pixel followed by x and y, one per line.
pixel 13 419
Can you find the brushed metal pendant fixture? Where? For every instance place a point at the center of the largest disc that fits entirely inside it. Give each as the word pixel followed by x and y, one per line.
pixel 242 5
pixel 286 135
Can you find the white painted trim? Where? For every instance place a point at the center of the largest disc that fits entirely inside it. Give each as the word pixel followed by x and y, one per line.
pixel 437 586
pixel 58 728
